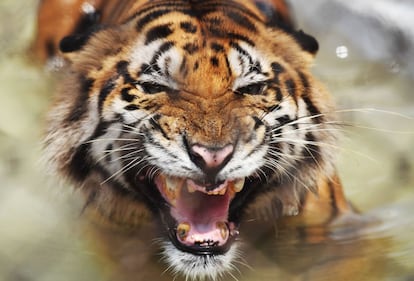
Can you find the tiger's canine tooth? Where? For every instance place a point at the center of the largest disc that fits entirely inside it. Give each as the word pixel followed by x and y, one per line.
pixel 191 188
pixel 172 188
pixel 238 185
pixel 224 230
pixel 171 183
pixel 182 230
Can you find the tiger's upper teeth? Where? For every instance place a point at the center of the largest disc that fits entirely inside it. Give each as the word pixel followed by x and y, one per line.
pixel 222 191
pixel 173 183
pixel 172 187
pixel 238 185
pixel 191 188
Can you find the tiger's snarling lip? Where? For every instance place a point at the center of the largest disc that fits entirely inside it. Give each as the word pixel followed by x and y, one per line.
pixel 200 213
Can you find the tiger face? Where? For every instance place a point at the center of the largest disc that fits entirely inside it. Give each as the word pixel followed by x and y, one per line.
pixel 203 114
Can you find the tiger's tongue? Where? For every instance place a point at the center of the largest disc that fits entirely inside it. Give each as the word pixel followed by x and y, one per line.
pixel 202 218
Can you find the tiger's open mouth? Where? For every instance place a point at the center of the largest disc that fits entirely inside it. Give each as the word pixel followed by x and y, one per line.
pixel 199 213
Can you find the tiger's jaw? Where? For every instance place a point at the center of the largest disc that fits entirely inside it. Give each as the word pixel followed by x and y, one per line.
pixel 199 267
pixel 200 224
pixel 199 215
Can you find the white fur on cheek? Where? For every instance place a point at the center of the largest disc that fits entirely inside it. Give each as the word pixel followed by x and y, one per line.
pixel 144 54
pixel 196 267
pixel 241 66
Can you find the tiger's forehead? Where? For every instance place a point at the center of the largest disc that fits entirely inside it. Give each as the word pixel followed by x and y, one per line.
pixel 188 53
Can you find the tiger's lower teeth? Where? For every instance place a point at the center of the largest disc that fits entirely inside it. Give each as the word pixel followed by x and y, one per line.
pixel 182 230
pixel 218 192
pixel 224 230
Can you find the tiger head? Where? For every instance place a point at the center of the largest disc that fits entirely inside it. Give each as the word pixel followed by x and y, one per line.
pixel 195 112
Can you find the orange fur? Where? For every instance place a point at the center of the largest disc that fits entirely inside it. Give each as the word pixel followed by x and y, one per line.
pixel 202 104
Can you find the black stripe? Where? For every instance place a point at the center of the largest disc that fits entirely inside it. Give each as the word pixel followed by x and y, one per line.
pixel 290 87
pixel 167 63
pixel 151 17
pixel 131 107
pixel 162 49
pixel 122 69
pixel 172 6
pixel 257 122
pixel 81 163
pixel 236 36
pixel 183 67
pixel 334 204
pixel 145 69
pixel 153 66
pixel 197 10
pixel 241 20
pixel 283 120
pixel 107 88
pixel 228 67
pixel 279 95
pixel 188 27
pixel 196 66
pixel 277 68
pixel 157 126
pixel 214 22
pixel 304 80
pixel 108 154
pixel 312 109
pixel 191 48
pixel 243 52
pixel 80 106
pixel 214 61
pixel 217 47
pixel 126 96
pixel 158 32
pixel 311 151
pixel 228 5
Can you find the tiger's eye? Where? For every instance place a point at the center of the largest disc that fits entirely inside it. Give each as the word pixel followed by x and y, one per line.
pixel 153 88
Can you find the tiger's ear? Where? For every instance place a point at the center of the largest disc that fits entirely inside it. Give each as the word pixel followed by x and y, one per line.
pixel 306 41
pixel 72 43
pixel 75 42
pixel 88 25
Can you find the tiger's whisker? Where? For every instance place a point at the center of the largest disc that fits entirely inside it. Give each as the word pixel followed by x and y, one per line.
pixel 130 165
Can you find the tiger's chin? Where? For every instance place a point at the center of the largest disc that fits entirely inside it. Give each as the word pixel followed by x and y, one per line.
pixel 200 267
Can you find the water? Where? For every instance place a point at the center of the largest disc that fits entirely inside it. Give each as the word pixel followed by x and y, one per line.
pixel 40 234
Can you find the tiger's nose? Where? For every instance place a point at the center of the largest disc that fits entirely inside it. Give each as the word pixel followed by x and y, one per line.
pixel 211 158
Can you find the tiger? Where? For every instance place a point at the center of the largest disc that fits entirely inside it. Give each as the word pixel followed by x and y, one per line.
pixel 194 115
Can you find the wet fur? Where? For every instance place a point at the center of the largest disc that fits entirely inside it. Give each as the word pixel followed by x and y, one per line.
pixel 99 62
